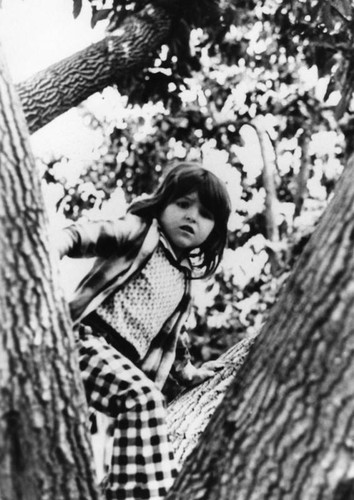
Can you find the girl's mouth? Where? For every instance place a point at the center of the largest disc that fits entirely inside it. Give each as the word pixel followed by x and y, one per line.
pixel 187 229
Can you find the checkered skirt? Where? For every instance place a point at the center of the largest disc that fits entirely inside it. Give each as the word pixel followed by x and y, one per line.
pixel 142 463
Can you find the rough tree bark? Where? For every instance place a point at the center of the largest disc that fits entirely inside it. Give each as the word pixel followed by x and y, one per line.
pixel 67 83
pixel 285 429
pixel 44 440
pixel 190 412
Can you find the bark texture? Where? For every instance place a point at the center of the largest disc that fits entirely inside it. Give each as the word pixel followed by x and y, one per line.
pixel 190 412
pixel 67 83
pixel 44 440
pixel 285 429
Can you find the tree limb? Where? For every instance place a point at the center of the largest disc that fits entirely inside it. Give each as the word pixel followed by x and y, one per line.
pixel 65 84
pixel 190 412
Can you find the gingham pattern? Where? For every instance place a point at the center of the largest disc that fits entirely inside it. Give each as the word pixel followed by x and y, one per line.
pixel 142 464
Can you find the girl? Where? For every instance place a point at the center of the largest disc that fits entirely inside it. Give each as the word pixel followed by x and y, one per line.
pixel 130 309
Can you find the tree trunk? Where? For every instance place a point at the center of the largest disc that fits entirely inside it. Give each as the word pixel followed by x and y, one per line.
pixel 190 412
pixel 268 175
pixel 44 440
pixel 304 171
pixel 67 83
pixel 271 199
pixel 285 429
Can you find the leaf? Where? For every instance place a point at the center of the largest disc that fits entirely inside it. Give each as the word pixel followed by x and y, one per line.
pixel 77 8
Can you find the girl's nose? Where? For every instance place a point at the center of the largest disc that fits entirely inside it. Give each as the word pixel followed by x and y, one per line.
pixel 192 214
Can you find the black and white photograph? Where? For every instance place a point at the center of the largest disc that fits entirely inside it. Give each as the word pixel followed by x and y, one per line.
pixel 176 250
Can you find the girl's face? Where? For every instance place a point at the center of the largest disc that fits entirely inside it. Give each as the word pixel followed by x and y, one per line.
pixel 186 223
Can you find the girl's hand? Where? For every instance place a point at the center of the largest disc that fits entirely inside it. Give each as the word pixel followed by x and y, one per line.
pixel 206 371
pixel 215 365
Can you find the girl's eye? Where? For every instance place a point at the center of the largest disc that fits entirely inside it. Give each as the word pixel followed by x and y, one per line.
pixel 206 214
pixel 182 204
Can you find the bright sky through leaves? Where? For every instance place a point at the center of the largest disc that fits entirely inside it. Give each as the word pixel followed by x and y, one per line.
pixel 37 33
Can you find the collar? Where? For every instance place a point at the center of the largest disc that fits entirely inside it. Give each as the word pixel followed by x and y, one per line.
pixel 184 264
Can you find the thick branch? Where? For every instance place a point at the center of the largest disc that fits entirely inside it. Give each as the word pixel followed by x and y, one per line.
pixel 190 412
pixel 67 83
pixel 44 439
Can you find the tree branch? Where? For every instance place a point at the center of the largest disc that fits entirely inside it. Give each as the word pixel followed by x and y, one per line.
pixel 190 412
pixel 65 84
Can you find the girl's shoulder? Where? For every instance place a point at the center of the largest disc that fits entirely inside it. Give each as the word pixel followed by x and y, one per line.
pixel 132 225
pixel 134 222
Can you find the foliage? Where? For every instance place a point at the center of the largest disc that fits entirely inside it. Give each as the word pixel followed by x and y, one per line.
pixel 325 29
pixel 178 59
pixel 319 31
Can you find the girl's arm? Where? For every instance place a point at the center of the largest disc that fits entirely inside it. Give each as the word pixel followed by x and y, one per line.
pixel 97 238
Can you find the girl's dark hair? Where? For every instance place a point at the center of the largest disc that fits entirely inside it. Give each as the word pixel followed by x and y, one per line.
pixel 185 178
